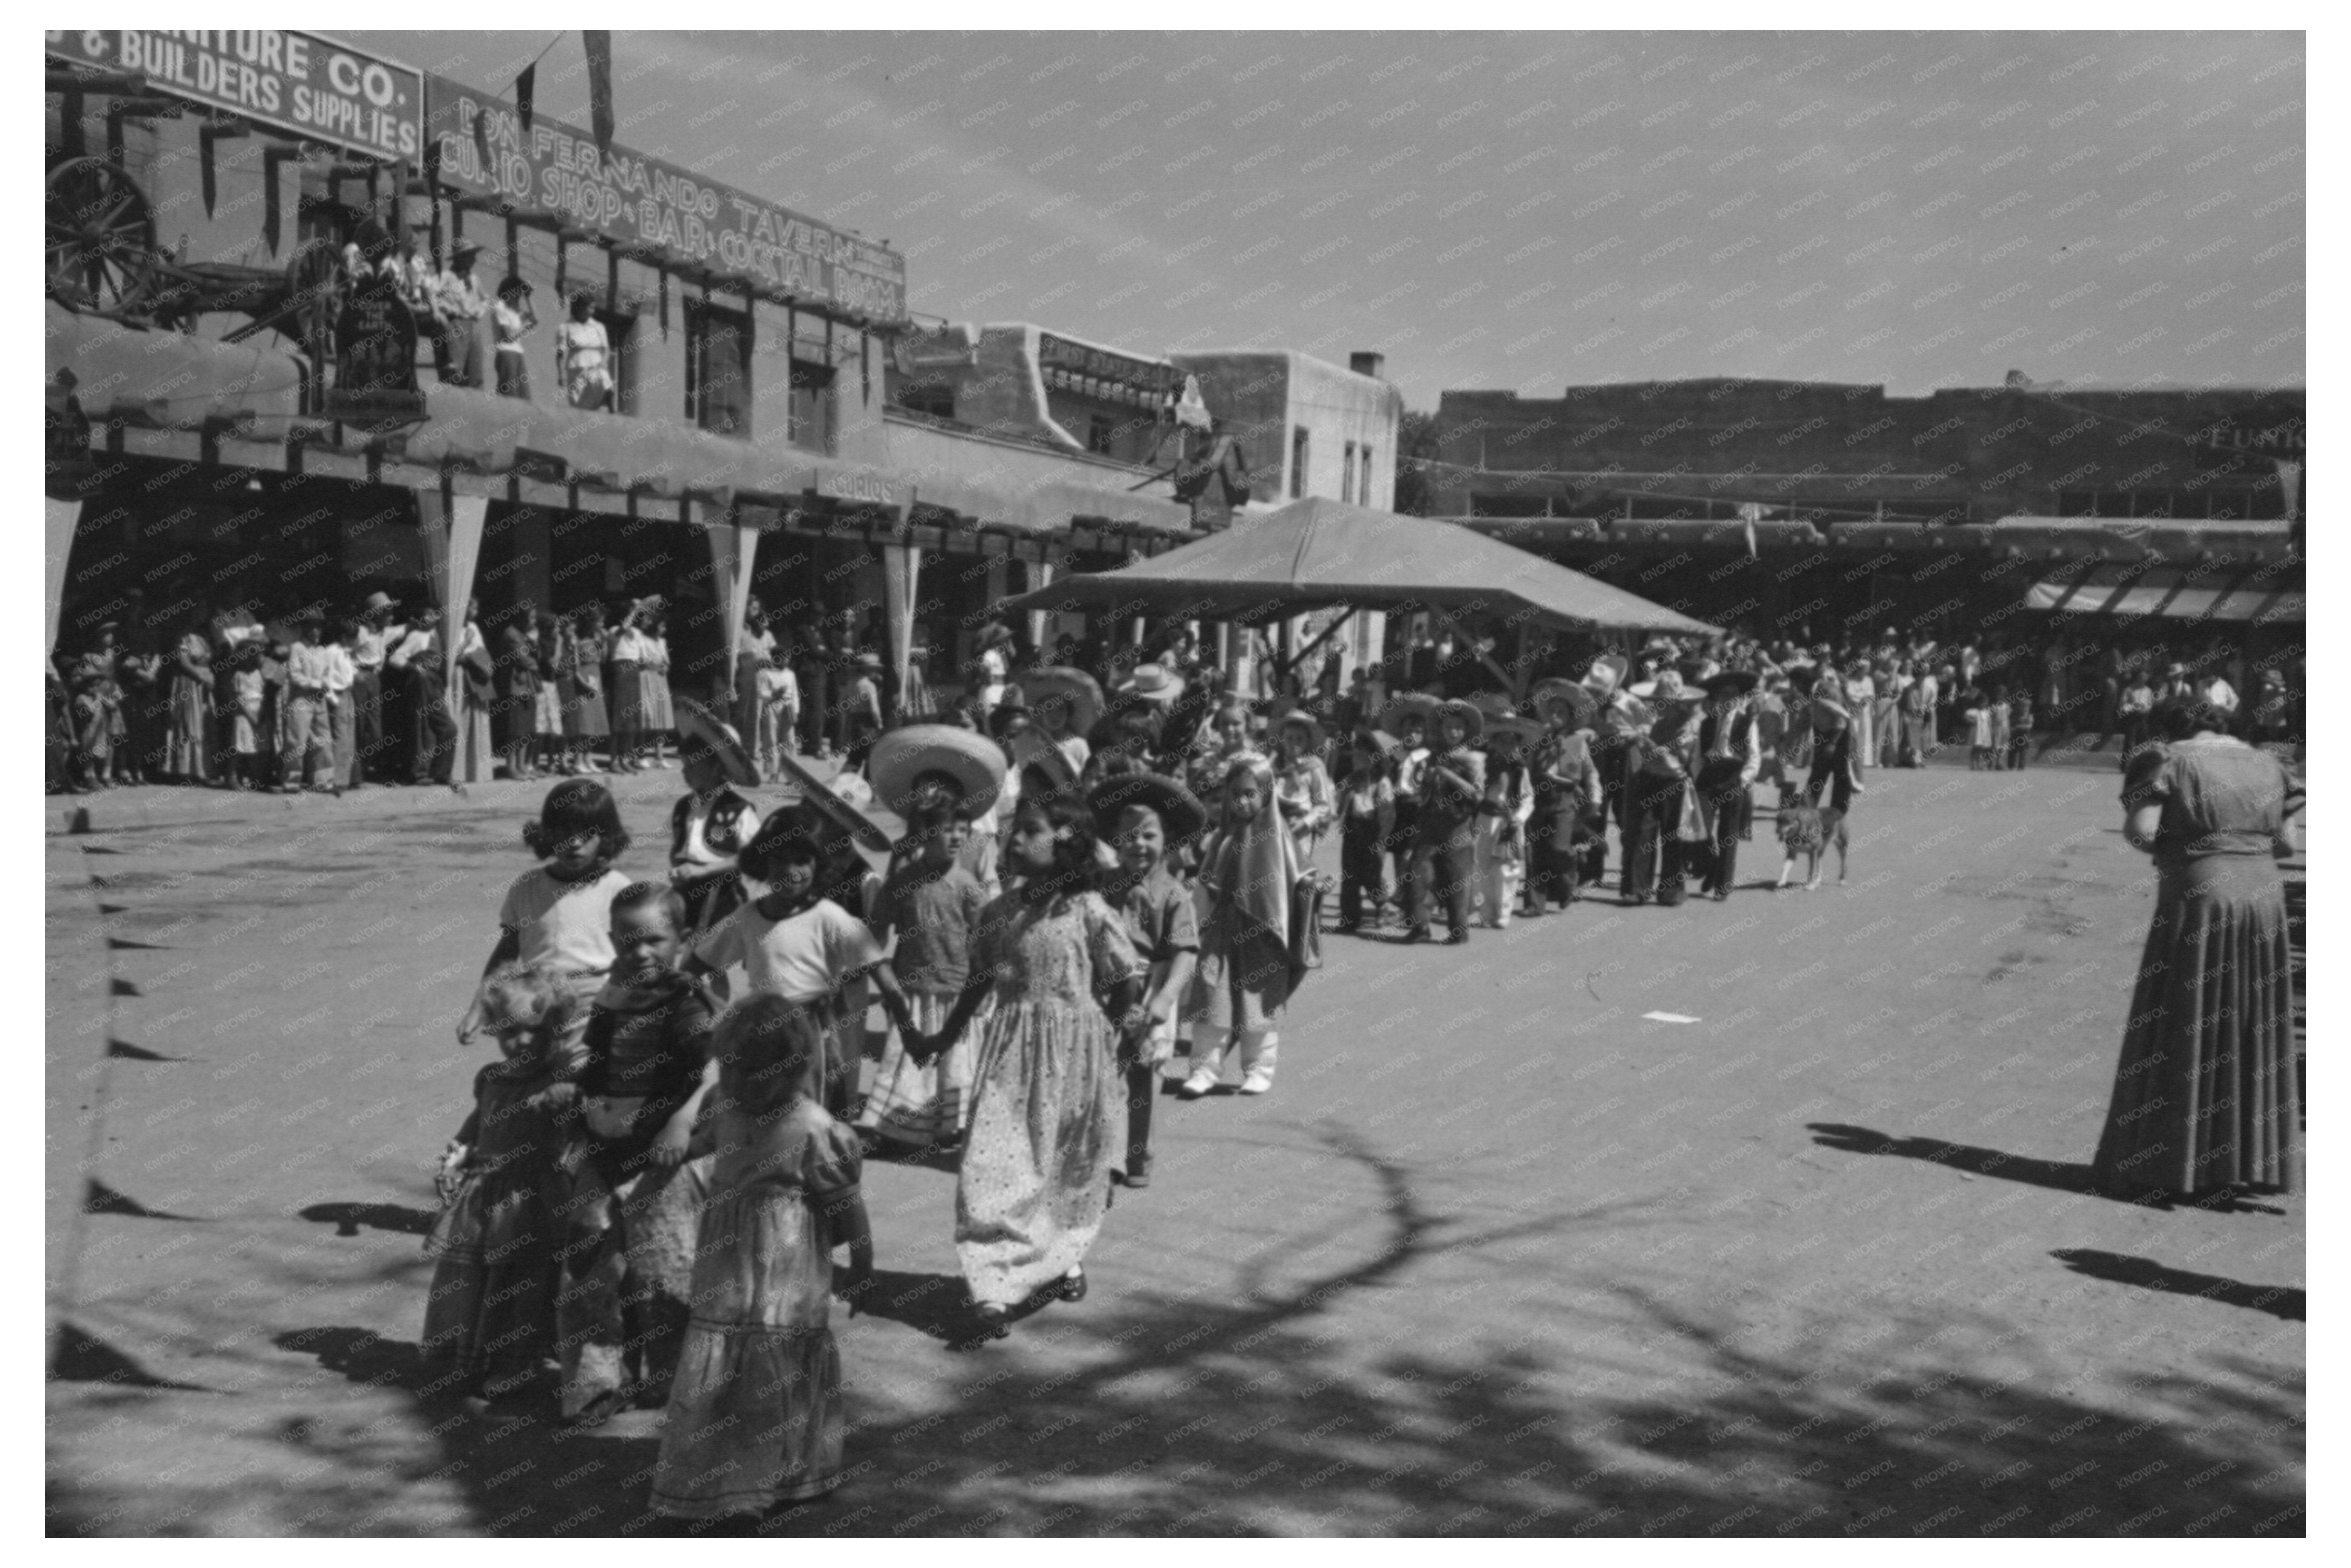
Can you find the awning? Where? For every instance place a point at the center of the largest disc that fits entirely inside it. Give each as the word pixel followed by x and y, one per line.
pixel 1318 553
pixel 2175 595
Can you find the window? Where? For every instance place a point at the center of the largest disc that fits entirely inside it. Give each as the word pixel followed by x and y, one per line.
pixel 1347 475
pixel 1363 478
pixel 718 369
pixel 621 327
pixel 1102 434
pixel 1298 463
pixel 935 398
pixel 812 407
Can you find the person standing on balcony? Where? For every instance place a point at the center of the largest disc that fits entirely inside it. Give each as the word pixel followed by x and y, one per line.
pixel 584 352
pixel 459 305
pixel 510 318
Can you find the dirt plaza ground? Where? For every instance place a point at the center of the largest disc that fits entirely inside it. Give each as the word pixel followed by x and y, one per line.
pixel 1499 1255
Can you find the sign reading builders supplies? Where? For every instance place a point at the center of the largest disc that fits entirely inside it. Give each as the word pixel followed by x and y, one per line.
pixel 556 173
pixel 301 82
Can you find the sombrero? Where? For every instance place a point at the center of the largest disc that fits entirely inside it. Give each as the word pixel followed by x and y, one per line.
pixel 1036 755
pixel 1473 719
pixel 1411 706
pixel 970 758
pixel 1154 684
pixel 1739 682
pixel 1306 721
pixel 698 726
pixel 1179 809
pixel 1564 702
pixel 1607 673
pixel 820 797
pixel 1528 730
pixel 1077 689
pixel 1493 704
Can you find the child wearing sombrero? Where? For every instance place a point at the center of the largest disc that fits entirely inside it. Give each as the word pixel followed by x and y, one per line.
pixel 710 825
pixel 1503 815
pixel 1142 816
pixel 1445 834
pixel 794 942
pixel 1302 785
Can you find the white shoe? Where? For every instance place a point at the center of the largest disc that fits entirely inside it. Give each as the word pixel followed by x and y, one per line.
pixel 1257 1082
pixel 1199 1083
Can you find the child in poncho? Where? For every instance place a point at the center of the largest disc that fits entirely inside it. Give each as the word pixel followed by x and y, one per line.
pixel 1249 874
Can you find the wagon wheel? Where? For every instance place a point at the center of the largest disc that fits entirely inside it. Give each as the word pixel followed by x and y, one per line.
pixel 313 289
pixel 101 236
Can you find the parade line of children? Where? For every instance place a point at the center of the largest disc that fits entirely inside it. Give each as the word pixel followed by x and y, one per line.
pixel 659 1168
pixel 661 1165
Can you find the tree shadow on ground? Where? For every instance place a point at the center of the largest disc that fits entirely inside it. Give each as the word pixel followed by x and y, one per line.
pixel 2282 1301
pixel 1259 1415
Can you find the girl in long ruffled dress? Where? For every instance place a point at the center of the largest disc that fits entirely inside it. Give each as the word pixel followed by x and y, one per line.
pixel 1047 1097
pixel 755 1415
pixel 506 1181
pixel 933 904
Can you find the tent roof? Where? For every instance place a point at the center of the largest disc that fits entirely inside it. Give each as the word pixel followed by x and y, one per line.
pixel 1317 553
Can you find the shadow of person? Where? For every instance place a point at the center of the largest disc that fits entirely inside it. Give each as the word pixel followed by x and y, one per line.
pixel 347 1217
pixel 936 1306
pixel 2060 1176
pixel 2279 1300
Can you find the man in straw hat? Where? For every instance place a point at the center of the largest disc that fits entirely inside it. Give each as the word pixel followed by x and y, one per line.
pixel 710 823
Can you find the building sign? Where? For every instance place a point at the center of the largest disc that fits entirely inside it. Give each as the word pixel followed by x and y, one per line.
pixel 301 82
pixel 868 486
pixel 1083 368
pixel 2275 433
pixel 555 174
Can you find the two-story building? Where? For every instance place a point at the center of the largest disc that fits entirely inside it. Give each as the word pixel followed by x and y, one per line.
pixel 205 451
pixel 1308 427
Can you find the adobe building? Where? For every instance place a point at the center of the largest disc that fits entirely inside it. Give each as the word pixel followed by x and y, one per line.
pixel 221 437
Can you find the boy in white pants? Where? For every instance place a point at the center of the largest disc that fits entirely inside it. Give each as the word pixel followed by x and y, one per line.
pixel 1501 854
pixel 779 711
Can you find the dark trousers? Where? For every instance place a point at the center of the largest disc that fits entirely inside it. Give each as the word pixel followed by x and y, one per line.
pixel 1559 853
pixel 1730 826
pixel 367 727
pixel 1450 866
pixel 1361 852
pixel 1653 845
pixel 434 756
pixel 1400 845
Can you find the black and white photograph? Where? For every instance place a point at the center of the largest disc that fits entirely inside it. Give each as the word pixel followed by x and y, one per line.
pixel 1286 776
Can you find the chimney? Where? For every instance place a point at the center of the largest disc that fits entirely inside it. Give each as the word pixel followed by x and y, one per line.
pixel 1364 362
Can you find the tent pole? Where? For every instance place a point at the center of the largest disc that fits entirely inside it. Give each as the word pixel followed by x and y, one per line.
pixel 1290 665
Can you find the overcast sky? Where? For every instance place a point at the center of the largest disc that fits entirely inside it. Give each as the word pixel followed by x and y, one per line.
pixel 1530 211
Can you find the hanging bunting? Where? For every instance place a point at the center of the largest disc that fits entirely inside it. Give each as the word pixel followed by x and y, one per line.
pixel 599 46
pixel 526 89
pixel 664 304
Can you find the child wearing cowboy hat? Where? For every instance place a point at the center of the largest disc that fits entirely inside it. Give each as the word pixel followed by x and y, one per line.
pixel 1445 841
pixel 1366 813
pixel 1503 814
pixel 1302 785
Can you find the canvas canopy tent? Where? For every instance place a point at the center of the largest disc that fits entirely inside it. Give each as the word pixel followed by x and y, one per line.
pixel 1319 554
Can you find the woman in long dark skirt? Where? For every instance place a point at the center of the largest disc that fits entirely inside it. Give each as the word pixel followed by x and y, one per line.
pixel 2206 1099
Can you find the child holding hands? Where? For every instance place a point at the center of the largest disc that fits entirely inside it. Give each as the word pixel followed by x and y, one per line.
pixel 756 1415
pixel 506 1182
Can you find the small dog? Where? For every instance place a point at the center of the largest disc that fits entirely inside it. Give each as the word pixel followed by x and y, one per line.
pixel 1809 831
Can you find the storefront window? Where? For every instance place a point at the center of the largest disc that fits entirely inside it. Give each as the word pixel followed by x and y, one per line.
pixel 812 408
pixel 719 370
